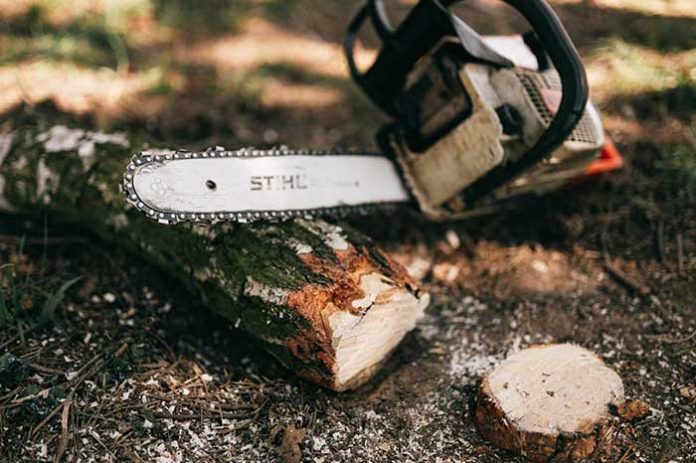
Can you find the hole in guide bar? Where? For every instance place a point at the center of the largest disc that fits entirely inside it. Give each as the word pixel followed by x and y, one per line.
pixel 210 184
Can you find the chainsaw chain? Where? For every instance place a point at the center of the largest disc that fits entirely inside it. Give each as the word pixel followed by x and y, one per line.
pixel 145 158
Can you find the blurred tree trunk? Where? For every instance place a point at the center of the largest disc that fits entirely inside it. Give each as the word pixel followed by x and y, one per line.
pixel 322 298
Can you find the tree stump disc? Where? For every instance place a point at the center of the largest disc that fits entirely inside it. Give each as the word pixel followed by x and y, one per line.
pixel 548 401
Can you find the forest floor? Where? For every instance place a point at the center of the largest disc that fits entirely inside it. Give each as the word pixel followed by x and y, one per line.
pixel 104 358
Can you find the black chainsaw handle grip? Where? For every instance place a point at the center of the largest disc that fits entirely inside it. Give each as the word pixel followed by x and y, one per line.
pixel 426 24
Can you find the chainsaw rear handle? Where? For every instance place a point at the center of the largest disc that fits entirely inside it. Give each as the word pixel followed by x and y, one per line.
pixel 426 25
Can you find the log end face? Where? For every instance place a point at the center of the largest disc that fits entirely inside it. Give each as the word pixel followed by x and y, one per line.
pixel 364 338
pixel 350 320
pixel 359 315
pixel 548 401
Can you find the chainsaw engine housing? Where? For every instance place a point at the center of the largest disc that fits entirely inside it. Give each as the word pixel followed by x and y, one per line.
pixel 471 118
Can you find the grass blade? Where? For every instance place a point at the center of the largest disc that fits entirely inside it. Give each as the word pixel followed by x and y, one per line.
pixel 49 307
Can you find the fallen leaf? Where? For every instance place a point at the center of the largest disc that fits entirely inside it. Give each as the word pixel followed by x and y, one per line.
pixel 688 393
pixel 290 447
pixel 27 302
pixel 633 410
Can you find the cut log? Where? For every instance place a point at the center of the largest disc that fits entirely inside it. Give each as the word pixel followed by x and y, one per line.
pixel 320 297
pixel 549 401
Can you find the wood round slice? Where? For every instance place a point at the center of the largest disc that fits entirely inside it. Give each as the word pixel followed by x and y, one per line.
pixel 548 401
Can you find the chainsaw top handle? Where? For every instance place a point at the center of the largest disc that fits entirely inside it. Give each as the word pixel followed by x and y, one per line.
pixel 424 28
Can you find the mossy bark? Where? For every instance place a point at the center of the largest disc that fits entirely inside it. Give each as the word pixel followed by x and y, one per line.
pixel 279 282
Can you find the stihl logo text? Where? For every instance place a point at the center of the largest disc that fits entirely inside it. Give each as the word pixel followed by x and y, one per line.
pixel 278 182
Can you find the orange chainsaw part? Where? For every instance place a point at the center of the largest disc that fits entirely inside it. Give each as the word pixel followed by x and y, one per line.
pixel 609 159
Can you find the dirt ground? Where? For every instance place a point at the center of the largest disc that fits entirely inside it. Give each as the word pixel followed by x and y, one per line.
pixel 150 375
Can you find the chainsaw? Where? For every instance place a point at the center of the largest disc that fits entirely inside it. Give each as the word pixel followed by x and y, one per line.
pixel 475 121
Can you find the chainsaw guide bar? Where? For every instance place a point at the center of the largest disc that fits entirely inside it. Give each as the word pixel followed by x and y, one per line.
pixel 246 185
